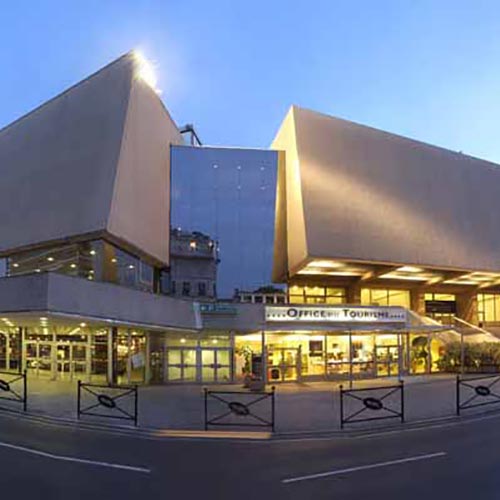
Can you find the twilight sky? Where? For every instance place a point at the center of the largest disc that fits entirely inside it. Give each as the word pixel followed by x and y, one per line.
pixel 427 69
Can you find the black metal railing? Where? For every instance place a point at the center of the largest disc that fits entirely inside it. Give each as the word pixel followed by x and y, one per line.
pixel 14 387
pixel 108 401
pixel 240 409
pixel 476 391
pixel 372 403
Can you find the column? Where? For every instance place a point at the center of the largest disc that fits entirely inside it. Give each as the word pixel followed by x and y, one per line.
pixel 353 294
pixel 417 301
pixel 22 351
pixel 147 370
pixel 112 342
pixel 467 307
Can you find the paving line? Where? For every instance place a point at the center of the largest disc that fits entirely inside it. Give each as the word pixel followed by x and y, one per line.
pixel 364 467
pixel 74 459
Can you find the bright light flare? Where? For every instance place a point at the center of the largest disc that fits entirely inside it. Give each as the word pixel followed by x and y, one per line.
pixel 145 70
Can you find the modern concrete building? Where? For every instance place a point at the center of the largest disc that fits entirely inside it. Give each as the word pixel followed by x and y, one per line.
pixel 388 254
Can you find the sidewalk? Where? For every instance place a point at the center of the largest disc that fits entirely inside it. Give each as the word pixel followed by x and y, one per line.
pixel 300 407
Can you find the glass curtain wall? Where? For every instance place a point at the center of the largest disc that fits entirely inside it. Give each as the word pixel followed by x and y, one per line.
pixel 66 352
pixel 488 307
pixel 385 297
pixel 92 260
pixel 131 356
pixel 316 295
pixel 10 348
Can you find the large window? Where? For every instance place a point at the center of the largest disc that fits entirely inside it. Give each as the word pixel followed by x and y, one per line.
pixel 316 295
pixel 488 307
pixel 384 297
pixel 92 260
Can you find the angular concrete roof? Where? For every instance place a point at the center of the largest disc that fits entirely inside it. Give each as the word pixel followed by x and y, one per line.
pixel 351 192
pixel 93 161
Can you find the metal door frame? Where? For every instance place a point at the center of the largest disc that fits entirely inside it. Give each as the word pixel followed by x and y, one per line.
pixel 54 361
pixel 388 364
pixel 216 365
pixel 182 365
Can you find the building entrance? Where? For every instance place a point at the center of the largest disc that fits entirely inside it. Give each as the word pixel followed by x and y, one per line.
pixel 57 360
pixel 216 364
pixel 198 364
pixel 283 364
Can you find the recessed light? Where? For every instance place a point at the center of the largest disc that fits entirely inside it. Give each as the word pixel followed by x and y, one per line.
pixel 50 259
pixel 92 252
pixel 131 266
pixel 113 260
pixel 83 325
pixel 15 264
pixel 38 270
pixel 409 269
pixel 73 266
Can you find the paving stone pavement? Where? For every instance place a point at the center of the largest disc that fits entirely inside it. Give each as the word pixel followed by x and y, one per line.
pixel 300 407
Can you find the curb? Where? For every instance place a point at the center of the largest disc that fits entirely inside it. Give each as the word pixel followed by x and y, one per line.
pixel 158 433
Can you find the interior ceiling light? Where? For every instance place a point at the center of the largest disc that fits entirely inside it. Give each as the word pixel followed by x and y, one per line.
pixel 325 263
pixel 409 269
pixel 145 70
pixel 395 276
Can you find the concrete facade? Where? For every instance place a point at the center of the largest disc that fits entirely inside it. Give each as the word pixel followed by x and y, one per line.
pixel 92 162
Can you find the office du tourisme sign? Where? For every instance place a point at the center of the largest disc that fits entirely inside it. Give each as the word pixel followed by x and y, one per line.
pixel 336 314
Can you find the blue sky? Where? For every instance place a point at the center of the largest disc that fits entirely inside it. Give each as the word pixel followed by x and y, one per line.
pixel 428 69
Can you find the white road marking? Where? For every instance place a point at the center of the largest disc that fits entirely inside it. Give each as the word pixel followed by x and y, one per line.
pixel 74 459
pixel 364 467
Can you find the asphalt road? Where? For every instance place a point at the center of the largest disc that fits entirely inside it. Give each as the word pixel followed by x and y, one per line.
pixel 42 461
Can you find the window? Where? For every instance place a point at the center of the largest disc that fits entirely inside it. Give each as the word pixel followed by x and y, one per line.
pixel 488 307
pixel 385 297
pixel 316 295
pixel 93 260
pixel 186 288
pixel 202 289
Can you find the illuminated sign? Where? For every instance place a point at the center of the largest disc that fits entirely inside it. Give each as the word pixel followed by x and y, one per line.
pixel 336 314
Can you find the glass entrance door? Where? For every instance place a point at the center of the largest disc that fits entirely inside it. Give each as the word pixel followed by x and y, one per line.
pixel 39 358
pixel 387 360
pixel 181 364
pixel 283 364
pixel 71 360
pixel 216 364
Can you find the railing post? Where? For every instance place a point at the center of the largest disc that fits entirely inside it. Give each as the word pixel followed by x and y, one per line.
pixel 341 406
pixel 25 384
pixel 457 399
pixel 136 408
pixel 206 408
pixel 78 399
pixel 273 393
pixel 402 389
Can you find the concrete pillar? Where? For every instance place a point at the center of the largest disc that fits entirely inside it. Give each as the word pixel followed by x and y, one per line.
pixel 353 294
pixel 417 301
pixel 467 307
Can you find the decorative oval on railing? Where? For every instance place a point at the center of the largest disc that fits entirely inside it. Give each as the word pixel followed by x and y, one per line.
pixel 238 408
pixel 4 385
pixel 373 403
pixel 106 401
pixel 482 390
